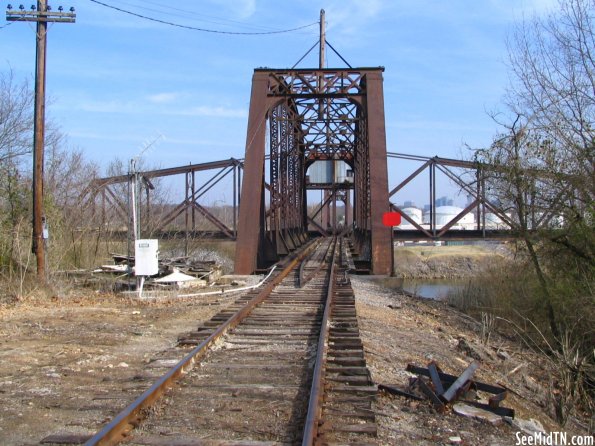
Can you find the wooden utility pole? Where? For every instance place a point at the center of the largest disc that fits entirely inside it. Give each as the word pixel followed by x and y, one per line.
pixel 42 16
pixel 321 52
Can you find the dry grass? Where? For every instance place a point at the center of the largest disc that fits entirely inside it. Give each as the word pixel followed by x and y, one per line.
pixel 437 262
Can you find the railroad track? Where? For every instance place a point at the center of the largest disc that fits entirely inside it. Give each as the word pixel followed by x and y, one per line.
pixel 282 366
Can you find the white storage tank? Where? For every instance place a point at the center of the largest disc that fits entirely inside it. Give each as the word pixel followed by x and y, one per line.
pixel 412 212
pixel 444 214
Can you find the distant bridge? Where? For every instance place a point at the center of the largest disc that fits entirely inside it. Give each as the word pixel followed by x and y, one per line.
pixel 109 207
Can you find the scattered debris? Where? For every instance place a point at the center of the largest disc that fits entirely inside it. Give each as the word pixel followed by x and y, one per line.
pixel 471 352
pixel 444 390
pixel 181 280
pixel 174 272
pixel 503 355
pixel 118 268
pixel 477 413
pixel 529 427
pixel 516 369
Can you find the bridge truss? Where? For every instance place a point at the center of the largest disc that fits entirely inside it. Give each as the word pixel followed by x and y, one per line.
pixel 312 115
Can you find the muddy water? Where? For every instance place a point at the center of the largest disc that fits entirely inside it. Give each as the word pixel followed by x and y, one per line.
pixel 432 288
pixel 427 288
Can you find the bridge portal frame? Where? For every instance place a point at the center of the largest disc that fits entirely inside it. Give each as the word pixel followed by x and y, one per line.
pixel 366 151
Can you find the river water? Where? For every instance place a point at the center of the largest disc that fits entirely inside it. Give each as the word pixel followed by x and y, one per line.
pixel 429 288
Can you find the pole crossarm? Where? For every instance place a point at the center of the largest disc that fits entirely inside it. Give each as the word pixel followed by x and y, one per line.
pixel 17 15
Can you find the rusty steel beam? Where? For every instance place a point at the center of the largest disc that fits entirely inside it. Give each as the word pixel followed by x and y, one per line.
pixel 381 236
pixel 97 183
pixel 252 205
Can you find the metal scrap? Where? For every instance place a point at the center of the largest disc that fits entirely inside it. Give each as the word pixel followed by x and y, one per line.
pixel 444 390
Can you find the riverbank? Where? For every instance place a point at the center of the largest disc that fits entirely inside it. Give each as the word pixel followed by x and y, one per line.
pixel 446 262
pixel 397 330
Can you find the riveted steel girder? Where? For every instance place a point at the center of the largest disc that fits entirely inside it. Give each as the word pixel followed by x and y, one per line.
pixel 312 115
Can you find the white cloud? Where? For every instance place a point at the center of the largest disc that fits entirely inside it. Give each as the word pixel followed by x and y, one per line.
pixel 163 98
pixel 214 112
pixel 104 136
pixel 241 9
pixel 107 107
pixel 246 8
pixel 141 107
pixel 347 19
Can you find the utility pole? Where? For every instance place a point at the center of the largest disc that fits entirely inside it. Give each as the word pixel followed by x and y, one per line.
pixel 321 55
pixel 42 15
pixel 322 42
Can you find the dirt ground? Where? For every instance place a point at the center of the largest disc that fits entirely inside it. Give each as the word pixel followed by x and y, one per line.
pixel 67 364
pixel 398 330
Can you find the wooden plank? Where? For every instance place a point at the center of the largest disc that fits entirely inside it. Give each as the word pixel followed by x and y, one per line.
pixel 355 389
pixel 66 439
pixel 348 379
pixel 265 366
pixel 146 440
pixel 347 370
pixel 364 428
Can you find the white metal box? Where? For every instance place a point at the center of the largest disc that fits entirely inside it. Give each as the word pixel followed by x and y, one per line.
pixel 146 253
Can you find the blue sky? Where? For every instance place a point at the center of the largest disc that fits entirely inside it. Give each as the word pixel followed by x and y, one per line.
pixel 116 81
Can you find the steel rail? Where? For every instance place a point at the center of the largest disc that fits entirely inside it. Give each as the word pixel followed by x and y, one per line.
pixel 302 277
pixel 129 418
pixel 314 414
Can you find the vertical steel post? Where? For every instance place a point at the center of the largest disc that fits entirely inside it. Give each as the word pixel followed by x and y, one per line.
pixel 483 194
pixel 186 216
pixel 479 197
pixel 148 209
pixel 252 186
pixel 382 261
pixel 233 192
pixel 333 198
pixel 433 197
pixel 193 194
pixel 348 209
pixel 103 206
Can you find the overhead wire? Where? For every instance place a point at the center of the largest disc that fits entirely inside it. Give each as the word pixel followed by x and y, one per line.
pixel 194 28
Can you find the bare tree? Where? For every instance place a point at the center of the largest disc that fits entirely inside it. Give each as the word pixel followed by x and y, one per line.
pixel 16 117
pixel 542 167
pixel 552 60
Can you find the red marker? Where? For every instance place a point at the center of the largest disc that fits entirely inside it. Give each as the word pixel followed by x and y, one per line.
pixel 391 219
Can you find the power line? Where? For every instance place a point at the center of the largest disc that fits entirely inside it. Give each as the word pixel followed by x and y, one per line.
pixel 165 22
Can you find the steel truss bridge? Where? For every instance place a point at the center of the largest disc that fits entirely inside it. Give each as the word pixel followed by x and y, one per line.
pixel 305 116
